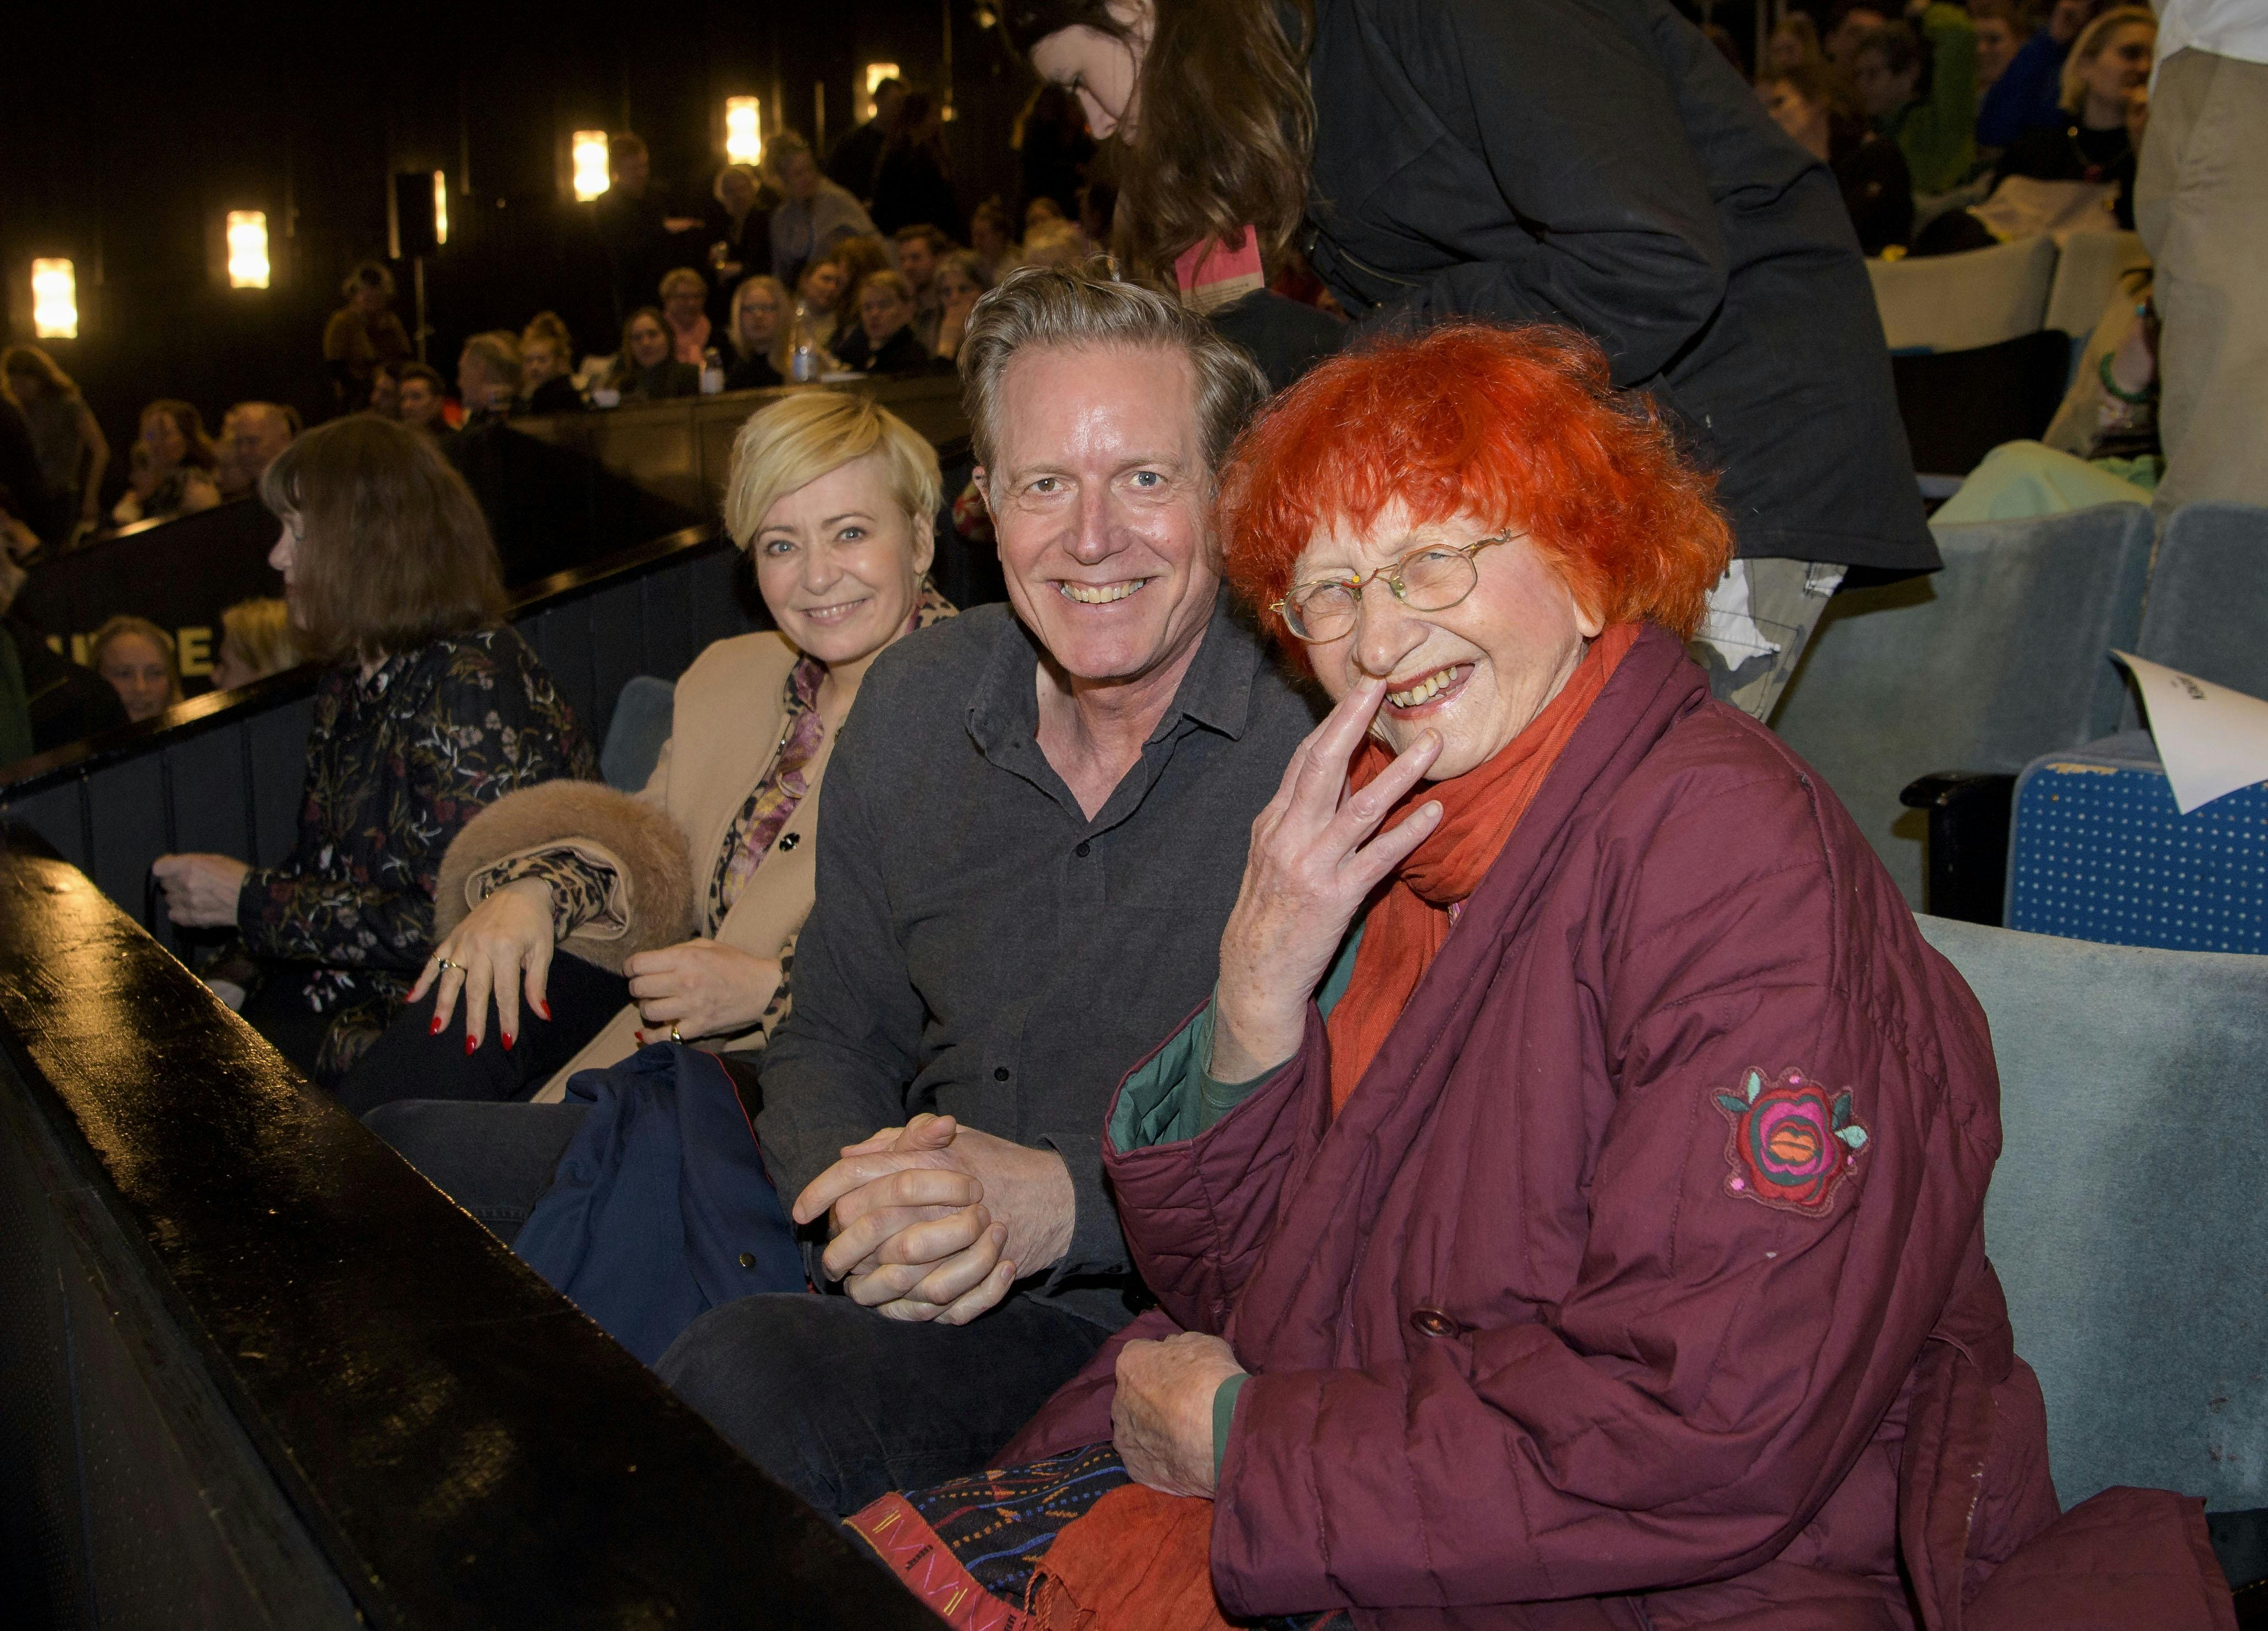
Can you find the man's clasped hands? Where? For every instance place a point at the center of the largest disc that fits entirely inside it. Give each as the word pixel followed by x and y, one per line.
pixel 936 1221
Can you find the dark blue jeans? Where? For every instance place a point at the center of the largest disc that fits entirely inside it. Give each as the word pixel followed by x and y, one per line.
pixel 834 1401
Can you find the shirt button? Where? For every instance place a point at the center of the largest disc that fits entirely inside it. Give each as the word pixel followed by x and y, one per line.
pixel 999 1072
pixel 1083 850
pixel 747 1259
pixel 1430 1322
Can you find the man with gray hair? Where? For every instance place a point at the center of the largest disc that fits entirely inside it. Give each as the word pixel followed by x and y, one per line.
pixel 1032 831
pixel 251 435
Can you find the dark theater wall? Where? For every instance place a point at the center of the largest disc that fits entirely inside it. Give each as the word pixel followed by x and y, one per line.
pixel 128 132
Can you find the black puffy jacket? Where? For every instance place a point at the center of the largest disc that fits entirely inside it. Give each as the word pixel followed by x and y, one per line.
pixel 1598 163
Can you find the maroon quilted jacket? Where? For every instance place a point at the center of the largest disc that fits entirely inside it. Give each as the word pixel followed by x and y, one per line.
pixel 1641 1281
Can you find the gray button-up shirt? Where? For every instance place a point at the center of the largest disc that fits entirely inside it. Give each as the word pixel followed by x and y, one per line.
pixel 978 947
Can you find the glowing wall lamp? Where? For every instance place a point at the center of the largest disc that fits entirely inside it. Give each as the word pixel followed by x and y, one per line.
pixel 875 72
pixel 247 250
pixel 590 152
pixel 744 140
pixel 55 300
pixel 440 208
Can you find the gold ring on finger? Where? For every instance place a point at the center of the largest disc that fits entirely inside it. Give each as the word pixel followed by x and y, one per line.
pixel 673 1036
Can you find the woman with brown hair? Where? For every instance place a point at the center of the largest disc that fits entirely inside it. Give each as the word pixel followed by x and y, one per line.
pixel 433 708
pixel 1525 161
pixel 175 472
pixel 1814 106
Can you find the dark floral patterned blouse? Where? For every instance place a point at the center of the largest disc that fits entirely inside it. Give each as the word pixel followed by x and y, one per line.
pixel 397 763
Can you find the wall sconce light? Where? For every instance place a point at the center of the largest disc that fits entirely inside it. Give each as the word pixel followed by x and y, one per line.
pixel 55 300
pixel 591 176
pixel 440 208
pixel 247 250
pixel 744 141
pixel 875 73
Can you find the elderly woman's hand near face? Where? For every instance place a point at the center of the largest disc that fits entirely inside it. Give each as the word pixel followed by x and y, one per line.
pixel 1161 1415
pixel 502 947
pixel 1307 876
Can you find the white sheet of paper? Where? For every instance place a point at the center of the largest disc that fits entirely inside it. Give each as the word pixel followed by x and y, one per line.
pixel 2211 740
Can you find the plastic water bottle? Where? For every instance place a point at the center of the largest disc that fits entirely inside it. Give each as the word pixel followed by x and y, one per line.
pixel 802 350
pixel 713 372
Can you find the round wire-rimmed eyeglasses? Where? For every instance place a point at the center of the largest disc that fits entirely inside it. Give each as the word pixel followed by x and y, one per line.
pixel 1430 578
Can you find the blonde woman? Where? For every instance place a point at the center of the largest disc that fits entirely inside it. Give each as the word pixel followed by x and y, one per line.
pixel 672 915
pixel 139 659
pixel 759 332
pixel 255 641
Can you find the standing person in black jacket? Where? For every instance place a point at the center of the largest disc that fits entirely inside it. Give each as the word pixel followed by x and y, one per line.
pixel 1536 160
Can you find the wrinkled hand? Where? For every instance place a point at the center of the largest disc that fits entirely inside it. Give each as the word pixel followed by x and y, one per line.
pixel 1306 874
pixel 936 1221
pixel 703 988
pixel 1162 1416
pixel 201 890
pixel 502 949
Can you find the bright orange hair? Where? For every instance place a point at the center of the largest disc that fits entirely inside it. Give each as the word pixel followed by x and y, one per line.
pixel 1515 428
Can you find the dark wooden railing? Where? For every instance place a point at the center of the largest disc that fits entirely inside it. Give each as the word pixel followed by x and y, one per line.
pixel 255 1372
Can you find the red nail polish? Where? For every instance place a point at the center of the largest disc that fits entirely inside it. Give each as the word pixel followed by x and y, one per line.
pixel 544 1009
pixel 436 1025
pixel 507 1042
pixel 469 1045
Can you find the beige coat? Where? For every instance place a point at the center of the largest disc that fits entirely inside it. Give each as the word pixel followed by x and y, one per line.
pixel 662 844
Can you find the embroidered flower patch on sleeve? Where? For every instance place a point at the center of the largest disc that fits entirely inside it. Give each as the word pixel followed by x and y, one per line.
pixel 1791 1145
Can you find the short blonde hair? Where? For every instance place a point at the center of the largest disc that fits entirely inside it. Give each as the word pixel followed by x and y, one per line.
pixel 2090 44
pixel 258 632
pixel 141 629
pixel 794 441
pixel 684 278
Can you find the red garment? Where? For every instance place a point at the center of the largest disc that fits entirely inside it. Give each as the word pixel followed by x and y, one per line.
pixel 1568 1319
pixel 1408 923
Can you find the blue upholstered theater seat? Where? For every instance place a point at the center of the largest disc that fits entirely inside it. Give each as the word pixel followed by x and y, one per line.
pixel 2126 1217
pixel 1983 666
pixel 641 725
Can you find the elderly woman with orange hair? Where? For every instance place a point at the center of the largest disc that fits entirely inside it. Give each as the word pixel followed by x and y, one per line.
pixel 1568 1211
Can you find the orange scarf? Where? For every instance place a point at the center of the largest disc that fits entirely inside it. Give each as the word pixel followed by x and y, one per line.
pixel 1478 812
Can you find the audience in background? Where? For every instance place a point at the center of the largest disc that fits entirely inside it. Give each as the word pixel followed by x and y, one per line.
pixel 915 182
pixel 72 453
pixel 883 340
pixel 990 239
pixel 1999 25
pixel 684 298
pixel 488 378
pixel 857 158
pixel 385 391
pixel 646 371
pixel 255 641
pixel 815 214
pixel 1814 106
pixel 758 333
pixel 2028 94
pixel 424 399
pixel 546 366
pixel 251 435
pixel 363 334
pixel 1925 100
pixel 1052 141
pixel 641 238
pixel 919 248
pixel 1794 42
pixel 740 228
pixel 1052 241
pixel 433 708
pixel 2104 78
pixel 860 258
pixel 24 491
pixel 818 293
pixel 142 663
pixel 961 277
pixel 1852 24
pixel 172 467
